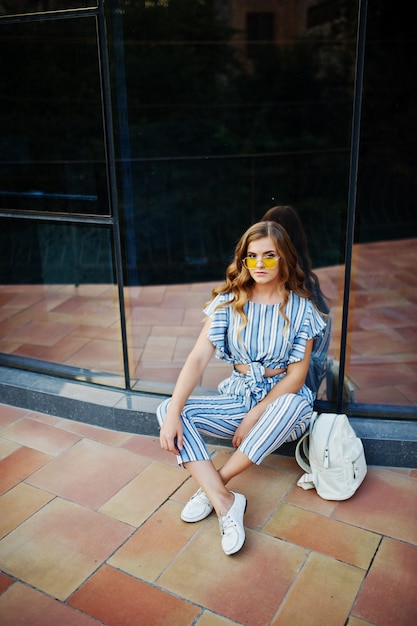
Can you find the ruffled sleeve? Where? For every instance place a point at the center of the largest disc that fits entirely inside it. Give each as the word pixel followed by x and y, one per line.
pixel 220 316
pixel 307 323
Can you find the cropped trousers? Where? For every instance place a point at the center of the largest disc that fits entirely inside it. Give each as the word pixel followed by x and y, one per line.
pixel 284 420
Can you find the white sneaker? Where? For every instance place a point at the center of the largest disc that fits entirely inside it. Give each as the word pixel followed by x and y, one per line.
pixel 231 525
pixel 197 508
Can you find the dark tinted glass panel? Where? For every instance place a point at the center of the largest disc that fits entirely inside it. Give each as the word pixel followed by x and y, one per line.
pixel 54 253
pixel 259 29
pixel 58 301
pixel 22 7
pixel 212 141
pixel 323 13
pixel 208 140
pixel 51 132
pixel 383 319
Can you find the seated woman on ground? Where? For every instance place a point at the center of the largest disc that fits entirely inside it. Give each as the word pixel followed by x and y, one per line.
pixel 263 322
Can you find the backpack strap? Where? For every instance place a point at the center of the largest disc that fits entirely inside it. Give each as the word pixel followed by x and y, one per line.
pixel 301 453
pixel 302 448
pixel 306 482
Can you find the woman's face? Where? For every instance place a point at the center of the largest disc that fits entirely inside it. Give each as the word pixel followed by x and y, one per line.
pixel 258 250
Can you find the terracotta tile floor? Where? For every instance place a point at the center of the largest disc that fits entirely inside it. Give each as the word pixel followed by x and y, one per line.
pixel 78 326
pixel 90 533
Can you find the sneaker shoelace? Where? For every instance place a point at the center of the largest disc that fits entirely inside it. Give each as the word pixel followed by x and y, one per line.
pixel 226 523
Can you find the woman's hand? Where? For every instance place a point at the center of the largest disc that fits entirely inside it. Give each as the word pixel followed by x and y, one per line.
pixel 171 436
pixel 247 423
pixel 291 383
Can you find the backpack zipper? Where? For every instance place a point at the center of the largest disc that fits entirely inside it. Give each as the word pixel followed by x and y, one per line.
pixel 326 457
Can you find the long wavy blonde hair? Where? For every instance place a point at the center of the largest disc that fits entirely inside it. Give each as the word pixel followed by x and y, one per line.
pixel 239 281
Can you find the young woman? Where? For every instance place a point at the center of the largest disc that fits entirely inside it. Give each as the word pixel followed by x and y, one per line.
pixel 261 321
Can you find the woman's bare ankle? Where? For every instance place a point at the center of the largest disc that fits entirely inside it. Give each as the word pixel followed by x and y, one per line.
pixel 226 504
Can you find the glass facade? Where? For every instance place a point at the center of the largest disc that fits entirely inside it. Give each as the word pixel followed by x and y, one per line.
pixel 140 139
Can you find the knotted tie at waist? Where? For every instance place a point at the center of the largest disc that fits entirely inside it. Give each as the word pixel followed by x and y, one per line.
pixel 255 374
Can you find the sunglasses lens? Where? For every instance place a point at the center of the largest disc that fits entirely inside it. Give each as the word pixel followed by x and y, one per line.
pixel 269 262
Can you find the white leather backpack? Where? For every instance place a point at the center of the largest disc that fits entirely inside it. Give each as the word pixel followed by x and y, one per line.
pixel 332 456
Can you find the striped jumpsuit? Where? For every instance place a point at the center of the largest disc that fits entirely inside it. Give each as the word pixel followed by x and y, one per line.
pixel 262 343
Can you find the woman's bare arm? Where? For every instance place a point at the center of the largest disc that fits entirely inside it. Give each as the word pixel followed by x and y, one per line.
pixel 189 377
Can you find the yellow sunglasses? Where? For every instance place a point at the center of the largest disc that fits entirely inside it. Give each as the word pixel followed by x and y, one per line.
pixel 269 262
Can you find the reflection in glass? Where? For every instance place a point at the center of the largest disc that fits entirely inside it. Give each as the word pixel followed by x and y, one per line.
pixel 23 7
pixel 58 299
pixel 228 110
pixel 52 156
pixel 383 321
pixel 221 110
pixel 214 138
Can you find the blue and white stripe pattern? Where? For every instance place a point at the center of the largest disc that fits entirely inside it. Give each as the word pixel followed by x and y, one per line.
pixel 264 338
pixel 317 369
pixel 263 343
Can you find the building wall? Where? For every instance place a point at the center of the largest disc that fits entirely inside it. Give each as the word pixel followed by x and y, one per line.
pixel 123 192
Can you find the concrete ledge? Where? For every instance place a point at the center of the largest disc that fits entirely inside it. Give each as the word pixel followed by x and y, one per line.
pixel 386 442
pixel 83 402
